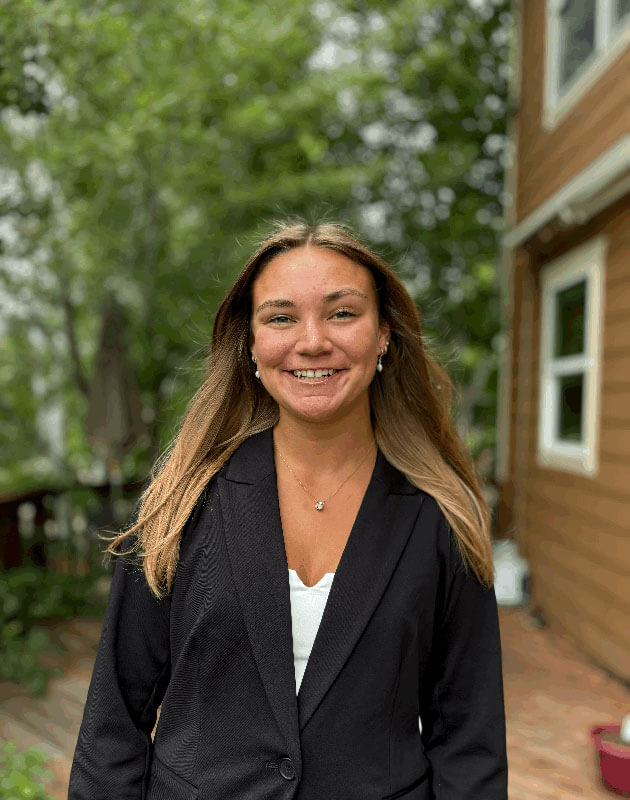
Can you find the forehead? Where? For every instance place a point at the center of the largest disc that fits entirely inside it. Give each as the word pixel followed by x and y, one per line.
pixel 308 270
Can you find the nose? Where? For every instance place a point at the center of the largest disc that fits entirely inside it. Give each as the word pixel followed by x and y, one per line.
pixel 312 338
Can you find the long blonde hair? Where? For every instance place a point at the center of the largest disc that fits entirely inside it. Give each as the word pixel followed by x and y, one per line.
pixel 410 404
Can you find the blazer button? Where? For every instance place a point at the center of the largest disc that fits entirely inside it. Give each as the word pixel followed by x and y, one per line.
pixel 287 770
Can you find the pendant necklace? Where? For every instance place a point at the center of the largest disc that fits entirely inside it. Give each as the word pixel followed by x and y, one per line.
pixel 319 504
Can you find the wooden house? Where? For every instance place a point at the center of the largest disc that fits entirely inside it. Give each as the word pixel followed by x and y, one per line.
pixel 563 461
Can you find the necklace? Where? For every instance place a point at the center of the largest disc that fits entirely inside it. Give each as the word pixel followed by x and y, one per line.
pixel 319 504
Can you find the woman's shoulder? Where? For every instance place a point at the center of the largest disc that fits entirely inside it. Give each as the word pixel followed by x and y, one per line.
pixel 433 523
pixel 195 527
pixel 205 513
pixel 431 518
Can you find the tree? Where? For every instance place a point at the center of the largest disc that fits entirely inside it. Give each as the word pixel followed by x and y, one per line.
pixel 163 138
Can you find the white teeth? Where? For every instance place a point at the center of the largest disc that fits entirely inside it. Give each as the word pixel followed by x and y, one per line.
pixel 310 373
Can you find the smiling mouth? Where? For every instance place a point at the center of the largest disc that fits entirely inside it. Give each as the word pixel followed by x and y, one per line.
pixel 313 374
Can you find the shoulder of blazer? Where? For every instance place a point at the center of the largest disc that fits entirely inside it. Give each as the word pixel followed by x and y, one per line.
pixel 206 506
pixel 190 539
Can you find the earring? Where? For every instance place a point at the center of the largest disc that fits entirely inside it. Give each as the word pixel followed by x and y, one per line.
pixel 257 374
pixel 379 360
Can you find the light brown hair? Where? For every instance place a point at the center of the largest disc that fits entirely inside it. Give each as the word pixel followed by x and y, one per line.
pixel 410 403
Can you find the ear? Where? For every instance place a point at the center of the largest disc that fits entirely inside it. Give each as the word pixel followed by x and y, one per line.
pixel 383 334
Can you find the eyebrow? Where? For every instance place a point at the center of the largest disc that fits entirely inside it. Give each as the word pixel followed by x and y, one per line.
pixel 327 298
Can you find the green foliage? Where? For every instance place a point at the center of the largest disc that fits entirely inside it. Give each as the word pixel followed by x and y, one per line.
pixel 32 594
pixel 28 594
pixel 19 657
pixel 21 773
pixel 163 138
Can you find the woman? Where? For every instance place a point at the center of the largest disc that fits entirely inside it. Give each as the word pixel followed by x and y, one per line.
pixel 313 607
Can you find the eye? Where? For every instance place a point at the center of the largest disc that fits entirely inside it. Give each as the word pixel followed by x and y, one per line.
pixel 344 311
pixel 278 318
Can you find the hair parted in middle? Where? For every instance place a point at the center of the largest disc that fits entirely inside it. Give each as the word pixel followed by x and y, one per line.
pixel 410 404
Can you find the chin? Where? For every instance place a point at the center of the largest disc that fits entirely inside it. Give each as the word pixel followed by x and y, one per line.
pixel 315 415
pixel 312 413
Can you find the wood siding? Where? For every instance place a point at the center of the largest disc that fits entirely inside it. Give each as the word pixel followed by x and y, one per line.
pixel 575 530
pixel 549 159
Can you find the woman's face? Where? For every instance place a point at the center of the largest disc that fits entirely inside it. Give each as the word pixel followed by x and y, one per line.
pixel 315 309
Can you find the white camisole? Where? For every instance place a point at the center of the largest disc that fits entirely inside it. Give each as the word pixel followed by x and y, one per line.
pixel 307 609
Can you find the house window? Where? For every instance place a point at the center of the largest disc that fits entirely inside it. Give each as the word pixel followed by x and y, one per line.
pixel 570 347
pixel 576 21
pixel 621 10
pixel 583 37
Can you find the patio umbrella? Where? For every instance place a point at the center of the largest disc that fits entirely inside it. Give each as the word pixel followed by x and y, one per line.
pixel 114 422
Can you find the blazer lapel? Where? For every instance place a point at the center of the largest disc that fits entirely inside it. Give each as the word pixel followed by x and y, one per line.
pixel 255 542
pixel 381 529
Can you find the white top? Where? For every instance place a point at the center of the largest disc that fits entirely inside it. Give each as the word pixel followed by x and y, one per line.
pixel 307 609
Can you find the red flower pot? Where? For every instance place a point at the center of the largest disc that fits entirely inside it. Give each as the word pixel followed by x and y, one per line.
pixel 614 759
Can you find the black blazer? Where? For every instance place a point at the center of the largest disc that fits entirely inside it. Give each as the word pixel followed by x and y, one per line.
pixel 406 633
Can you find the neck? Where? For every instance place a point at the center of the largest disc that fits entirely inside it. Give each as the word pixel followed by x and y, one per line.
pixel 323 448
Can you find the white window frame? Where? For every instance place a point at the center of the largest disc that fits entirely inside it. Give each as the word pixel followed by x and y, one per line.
pixel 586 262
pixel 610 42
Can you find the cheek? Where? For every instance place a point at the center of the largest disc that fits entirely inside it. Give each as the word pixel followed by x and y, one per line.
pixel 362 345
pixel 271 346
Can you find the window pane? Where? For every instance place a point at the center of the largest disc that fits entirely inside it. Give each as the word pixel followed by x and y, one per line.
pixel 622 9
pixel 577 37
pixel 570 408
pixel 569 333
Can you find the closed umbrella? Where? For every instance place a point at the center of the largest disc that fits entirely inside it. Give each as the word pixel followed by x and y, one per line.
pixel 114 421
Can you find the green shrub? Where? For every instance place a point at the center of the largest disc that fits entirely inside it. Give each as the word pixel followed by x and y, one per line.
pixel 31 594
pixel 19 658
pixel 20 773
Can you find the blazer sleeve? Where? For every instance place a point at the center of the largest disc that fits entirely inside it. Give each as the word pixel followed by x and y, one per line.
pixel 463 712
pixel 129 679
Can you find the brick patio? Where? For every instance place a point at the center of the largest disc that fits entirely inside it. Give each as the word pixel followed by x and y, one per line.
pixel 553 694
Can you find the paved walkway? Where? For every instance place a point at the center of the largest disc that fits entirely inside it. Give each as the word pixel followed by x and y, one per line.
pixel 553 694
